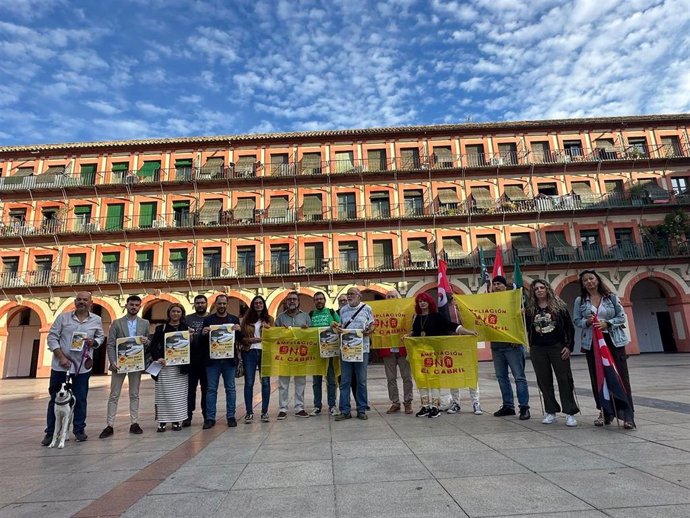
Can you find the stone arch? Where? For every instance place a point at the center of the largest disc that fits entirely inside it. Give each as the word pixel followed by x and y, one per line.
pixel 22 338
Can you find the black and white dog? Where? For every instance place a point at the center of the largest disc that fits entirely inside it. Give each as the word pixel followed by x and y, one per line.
pixel 64 414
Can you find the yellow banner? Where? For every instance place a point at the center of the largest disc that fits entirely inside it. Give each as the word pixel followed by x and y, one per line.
pixel 443 362
pixel 392 320
pixel 130 354
pixel 292 351
pixel 497 317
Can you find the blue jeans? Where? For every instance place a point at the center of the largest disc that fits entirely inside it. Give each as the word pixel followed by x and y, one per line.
pixel 213 371
pixel 252 361
pixel 514 357
pixel 80 389
pixel 359 369
pixel 331 387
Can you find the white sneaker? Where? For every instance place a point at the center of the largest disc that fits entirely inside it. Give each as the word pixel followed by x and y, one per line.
pixel 315 412
pixel 477 408
pixel 453 409
pixel 570 420
pixel 333 411
pixel 549 419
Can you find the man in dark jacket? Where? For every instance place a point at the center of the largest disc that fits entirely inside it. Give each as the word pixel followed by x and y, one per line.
pixel 226 367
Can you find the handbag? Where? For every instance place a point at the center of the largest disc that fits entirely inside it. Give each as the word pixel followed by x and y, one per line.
pixel 239 371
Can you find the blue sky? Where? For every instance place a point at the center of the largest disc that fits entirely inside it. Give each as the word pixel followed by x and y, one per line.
pixel 127 69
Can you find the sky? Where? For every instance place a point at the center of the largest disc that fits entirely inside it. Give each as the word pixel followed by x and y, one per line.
pixel 83 70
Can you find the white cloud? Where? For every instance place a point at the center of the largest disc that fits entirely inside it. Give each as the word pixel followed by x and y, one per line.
pixel 103 107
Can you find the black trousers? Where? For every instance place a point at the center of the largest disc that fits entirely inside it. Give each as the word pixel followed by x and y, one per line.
pixel 547 361
pixel 620 358
pixel 197 376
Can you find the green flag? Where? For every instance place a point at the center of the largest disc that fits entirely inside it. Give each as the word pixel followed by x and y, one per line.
pixel 484 274
pixel 517 273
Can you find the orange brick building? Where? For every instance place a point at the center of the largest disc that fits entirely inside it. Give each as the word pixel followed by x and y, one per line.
pixel 324 210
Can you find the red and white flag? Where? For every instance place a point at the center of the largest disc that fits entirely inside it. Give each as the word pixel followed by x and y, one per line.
pixel 446 305
pixel 498 265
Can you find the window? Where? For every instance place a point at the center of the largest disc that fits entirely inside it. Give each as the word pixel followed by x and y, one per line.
pixel 614 186
pixel 548 189
pixel 311 163
pixel 213 168
pixel 507 153
pixel 111 266
pixel 120 170
pixel 481 199
pixel 246 166
pixel 605 149
pixel 344 162
pixel 183 169
pixel 150 171
pixel 383 254
pixel 380 205
pixel 453 251
pixel 591 247
pixel 25 317
pixel 475 155
pixel 209 213
pixel 420 255
pixel 637 147
pixel 558 247
pixel 246 257
pixel 347 206
pixel 313 257
pixel 212 262
pixel 144 260
pixel 583 192
pixel 24 171
pixel 87 174
pixel 44 265
pixel 49 219
pixel 520 240
pixel 10 265
pixel 443 157
pixel 181 215
pixel 680 185
pixel 414 203
pixel 147 214
pixel 10 277
pixel 280 165
pixel 409 158
pixel 280 259
pixel 115 216
pixel 572 148
pixel 244 210
pixel 349 256
pixel 17 217
pixel 178 263
pixel 82 218
pixel 77 265
pixel 376 159
pixel 312 208
pixel 541 152
pixel 447 200
pixel 278 209
pixel 625 242
pixel 487 243
pixel 670 147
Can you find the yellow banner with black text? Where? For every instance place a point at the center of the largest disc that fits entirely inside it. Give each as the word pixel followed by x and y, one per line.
pixel 292 351
pixel 443 362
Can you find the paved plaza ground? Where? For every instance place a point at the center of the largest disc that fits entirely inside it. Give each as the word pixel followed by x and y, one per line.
pixel 397 465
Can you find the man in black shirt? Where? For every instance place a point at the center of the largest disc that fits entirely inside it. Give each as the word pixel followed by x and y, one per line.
pixel 197 367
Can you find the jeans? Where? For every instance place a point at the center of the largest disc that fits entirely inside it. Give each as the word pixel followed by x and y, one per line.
pixel 116 381
pixel 331 387
pixel 284 392
pixel 514 357
pixel 80 389
pixel 197 376
pixel 213 371
pixel 359 369
pixel 252 361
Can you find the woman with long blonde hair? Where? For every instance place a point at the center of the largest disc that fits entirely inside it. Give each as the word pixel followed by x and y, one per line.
pixel 551 338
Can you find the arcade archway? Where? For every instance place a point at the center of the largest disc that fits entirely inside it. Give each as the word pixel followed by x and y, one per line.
pixel 23 343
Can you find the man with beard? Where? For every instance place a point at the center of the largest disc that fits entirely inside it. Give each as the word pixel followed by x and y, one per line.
pixel 197 369
pixel 322 316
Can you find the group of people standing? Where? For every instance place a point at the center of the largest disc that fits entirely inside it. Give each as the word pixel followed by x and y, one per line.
pixel 550 331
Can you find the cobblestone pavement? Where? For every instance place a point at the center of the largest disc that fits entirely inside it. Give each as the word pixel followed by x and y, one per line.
pixel 390 465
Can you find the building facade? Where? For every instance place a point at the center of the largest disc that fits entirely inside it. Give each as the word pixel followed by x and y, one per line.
pixel 321 211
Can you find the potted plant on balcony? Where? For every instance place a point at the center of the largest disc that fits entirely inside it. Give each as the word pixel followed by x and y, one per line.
pixel 671 235
pixel 638 195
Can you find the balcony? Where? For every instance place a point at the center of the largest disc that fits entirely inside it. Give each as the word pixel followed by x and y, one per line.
pixel 345 264
pixel 237 172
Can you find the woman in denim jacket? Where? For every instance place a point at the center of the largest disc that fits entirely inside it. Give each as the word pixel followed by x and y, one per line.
pixel 595 298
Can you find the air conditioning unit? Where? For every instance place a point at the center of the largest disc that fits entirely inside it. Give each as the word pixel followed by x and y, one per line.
pixel 158 274
pixel 88 278
pixel 159 223
pixel 497 160
pixel 228 272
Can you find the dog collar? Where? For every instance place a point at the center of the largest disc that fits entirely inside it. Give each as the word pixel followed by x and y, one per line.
pixel 63 402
